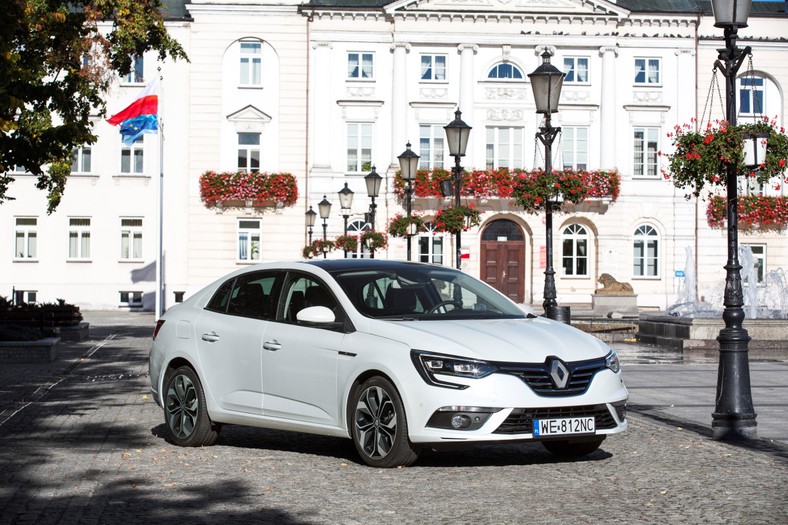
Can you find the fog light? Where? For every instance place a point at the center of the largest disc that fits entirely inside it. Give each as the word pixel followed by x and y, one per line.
pixel 460 421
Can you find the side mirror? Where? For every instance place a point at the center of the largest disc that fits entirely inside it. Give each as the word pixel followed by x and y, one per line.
pixel 316 315
pixel 527 310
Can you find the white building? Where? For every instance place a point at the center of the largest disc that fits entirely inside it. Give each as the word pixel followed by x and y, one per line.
pixel 326 90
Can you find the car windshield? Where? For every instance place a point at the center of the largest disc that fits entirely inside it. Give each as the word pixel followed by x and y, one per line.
pixel 424 293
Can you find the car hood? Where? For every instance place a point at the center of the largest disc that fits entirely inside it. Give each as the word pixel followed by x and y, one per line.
pixel 512 340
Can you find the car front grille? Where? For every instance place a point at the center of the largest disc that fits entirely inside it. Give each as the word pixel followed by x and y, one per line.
pixel 537 376
pixel 520 421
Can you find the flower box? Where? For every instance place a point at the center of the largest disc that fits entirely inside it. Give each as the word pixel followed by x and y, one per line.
pixel 247 190
pixel 754 213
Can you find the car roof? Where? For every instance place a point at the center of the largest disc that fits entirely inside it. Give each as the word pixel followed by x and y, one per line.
pixel 334 265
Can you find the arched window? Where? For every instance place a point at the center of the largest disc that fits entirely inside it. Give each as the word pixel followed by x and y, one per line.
pixel 574 240
pixel 645 249
pixel 356 228
pixel 502 230
pixel 505 71
pixel 431 245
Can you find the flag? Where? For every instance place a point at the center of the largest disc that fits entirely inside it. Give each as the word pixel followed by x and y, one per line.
pixel 141 116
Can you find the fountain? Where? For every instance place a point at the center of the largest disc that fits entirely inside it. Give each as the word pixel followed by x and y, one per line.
pixel 695 324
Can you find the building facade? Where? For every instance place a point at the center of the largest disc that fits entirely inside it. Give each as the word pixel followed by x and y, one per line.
pixel 327 91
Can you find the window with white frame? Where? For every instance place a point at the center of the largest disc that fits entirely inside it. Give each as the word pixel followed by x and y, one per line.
pixel 751 95
pixel 574 147
pixel 505 71
pixel 360 66
pixel 132 298
pixel 648 71
pixel 249 152
pixel 26 238
pixel 576 69
pixel 431 244
pixel 359 146
pixel 433 67
pixel 759 260
pixel 356 228
pixel 131 239
pixel 132 158
pixel 81 160
pixel 645 148
pixel 251 64
pixel 135 75
pixel 249 234
pixel 431 146
pixel 645 249
pixel 574 258
pixel 25 297
pixel 79 238
pixel 749 185
pixel 504 147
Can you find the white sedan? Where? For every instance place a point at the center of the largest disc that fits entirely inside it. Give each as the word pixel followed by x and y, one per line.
pixel 397 356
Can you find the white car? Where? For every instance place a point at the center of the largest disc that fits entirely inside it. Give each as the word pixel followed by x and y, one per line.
pixel 397 356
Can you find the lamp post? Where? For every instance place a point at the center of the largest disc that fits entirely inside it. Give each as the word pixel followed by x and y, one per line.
pixel 372 181
pixel 734 416
pixel 345 202
pixel 457 134
pixel 408 164
pixel 311 215
pixel 324 207
pixel 546 83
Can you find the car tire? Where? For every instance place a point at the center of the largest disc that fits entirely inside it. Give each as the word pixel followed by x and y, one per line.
pixel 186 417
pixel 573 449
pixel 378 425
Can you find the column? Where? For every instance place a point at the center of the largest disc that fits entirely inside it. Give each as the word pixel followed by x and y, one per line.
pixel 466 81
pixel 399 103
pixel 322 105
pixel 607 108
pixel 685 98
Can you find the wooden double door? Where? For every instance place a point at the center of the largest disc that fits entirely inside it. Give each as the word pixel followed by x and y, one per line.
pixel 503 258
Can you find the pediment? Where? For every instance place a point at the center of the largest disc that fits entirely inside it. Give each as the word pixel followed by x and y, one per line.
pixel 484 8
pixel 249 114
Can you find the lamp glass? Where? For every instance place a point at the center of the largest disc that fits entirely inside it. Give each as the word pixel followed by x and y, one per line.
pixel 345 197
pixel 373 181
pixel 324 207
pixel 408 163
pixel 457 134
pixel 731 13
pixel 546 83
pixel 310 217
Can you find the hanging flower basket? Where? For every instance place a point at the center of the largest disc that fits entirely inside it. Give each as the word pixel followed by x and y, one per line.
pixel 318 246
pixel 402 225
pixel 242 189
pixel 700 157
pixel 456 219
pixel 373 240
pixel 348 243
pixel 535 188
pixel 754 213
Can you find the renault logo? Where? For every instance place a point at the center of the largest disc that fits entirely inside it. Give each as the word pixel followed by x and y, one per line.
pixel 559 372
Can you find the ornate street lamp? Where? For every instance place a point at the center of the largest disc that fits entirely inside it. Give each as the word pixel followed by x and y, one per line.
pixel 324 208
pixel 546 83
pixel 457 134
pixel 345 202
pixel 311 215
pixel 373 181
pixel 408 164
pixel 734 416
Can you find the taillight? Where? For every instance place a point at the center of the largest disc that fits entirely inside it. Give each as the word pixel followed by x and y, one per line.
pixel 159 324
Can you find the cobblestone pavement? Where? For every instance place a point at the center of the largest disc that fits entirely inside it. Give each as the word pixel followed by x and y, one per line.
pixel 83 443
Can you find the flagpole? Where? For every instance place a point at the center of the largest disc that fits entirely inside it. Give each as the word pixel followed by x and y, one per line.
pixel 160 214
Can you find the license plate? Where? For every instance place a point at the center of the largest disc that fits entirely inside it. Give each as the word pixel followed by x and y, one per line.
pixel 567 425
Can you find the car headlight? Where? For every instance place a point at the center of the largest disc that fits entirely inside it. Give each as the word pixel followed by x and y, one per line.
pixel 430 364
pixel 611 361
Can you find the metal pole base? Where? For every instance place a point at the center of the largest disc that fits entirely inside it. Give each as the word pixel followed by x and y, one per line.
pixel 559 313
pixel 734 415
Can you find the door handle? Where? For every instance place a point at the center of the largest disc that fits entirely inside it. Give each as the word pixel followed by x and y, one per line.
pixel 211 337
pixel 272 345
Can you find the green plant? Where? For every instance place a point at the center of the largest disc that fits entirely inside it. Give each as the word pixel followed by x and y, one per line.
pixel 400 225
pixel 347 243
pixel 535 188
pixel 317 247
pixel 373 240
pixel 456 219
pixel 699 157
pixel 263 189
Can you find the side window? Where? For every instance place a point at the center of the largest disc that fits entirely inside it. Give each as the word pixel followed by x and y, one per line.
pixel 253 295
pixel 302 292
pixel 221 297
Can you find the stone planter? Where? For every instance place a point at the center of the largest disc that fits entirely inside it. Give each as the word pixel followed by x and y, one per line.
pixel 41 351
